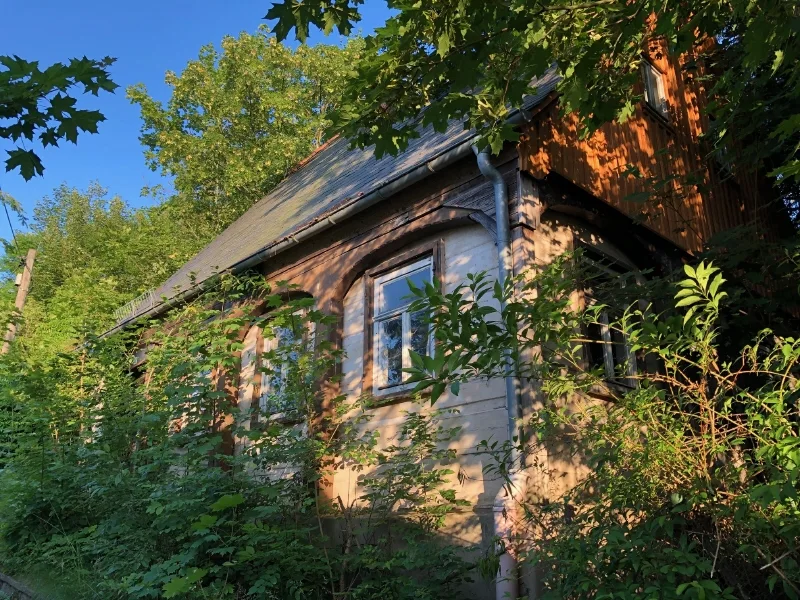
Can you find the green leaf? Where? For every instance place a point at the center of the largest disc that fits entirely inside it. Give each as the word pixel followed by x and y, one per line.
pixel 712 289
pixel 436 391
pixel 27 161
pixel 204 522
pixel 182 585
pixel 687 301
pixel 443 44
pixel 776 64
pixel 449 495
pixel 227 501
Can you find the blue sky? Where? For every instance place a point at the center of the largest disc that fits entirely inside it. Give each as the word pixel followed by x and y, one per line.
pixel 147 37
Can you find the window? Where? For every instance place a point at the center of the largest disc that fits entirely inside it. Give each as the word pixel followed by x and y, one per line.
pixel 606 347
pixel 395 329
pixel 607 350
pixel 282 359
pixel 654 89
pixel 197 384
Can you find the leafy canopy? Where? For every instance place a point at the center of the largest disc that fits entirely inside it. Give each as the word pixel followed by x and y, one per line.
pixel 38 104
pixel 95 253
pixel 474 60
pixel 240 118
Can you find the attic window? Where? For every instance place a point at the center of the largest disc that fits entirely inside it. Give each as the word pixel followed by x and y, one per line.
pixel 654 95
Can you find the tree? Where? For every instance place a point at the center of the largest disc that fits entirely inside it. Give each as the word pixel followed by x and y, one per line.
pixel 475 60
pixel 37 103
pixel 239 119
pixel 95 254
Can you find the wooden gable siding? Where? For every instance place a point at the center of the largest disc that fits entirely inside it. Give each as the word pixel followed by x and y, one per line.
pixel 659 149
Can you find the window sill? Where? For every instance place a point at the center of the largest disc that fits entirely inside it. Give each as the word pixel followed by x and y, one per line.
pixel 402 394
pixel 658 117
pixel 609 390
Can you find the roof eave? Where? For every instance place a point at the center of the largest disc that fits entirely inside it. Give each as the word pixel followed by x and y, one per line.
pixel 323 222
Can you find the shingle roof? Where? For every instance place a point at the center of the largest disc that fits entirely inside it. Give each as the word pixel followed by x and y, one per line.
pixel 330 179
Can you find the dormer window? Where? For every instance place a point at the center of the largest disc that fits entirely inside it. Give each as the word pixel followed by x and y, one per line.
pixel 654 96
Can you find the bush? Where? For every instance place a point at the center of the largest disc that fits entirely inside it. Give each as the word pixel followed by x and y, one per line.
pixel 691 453
pixel 122 485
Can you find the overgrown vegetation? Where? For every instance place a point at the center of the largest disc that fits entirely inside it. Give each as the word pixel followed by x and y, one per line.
pixel 118 488
pixel 125 484
pixel 689 450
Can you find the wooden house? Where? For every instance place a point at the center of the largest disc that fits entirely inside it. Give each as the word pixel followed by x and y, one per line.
pixel 346 227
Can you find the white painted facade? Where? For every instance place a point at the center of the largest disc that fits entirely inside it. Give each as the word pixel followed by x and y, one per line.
pixel 480 404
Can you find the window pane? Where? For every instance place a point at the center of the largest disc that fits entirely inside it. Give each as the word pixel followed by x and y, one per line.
pixel 391 332
pixel 287 346
pixel 620 353
pixel 594 348
pixel 647 77
pixel 654 88
pixel 396 293
pixel 420 332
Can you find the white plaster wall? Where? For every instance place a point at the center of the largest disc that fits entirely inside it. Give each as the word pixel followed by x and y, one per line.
pixel 480 404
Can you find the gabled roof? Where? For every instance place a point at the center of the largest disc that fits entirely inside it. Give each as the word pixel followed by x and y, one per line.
pixel 330 180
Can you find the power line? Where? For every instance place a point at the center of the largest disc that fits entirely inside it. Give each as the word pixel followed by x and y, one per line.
pixel 13 235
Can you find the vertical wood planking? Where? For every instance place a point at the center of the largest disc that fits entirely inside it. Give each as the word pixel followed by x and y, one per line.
pixel 596 164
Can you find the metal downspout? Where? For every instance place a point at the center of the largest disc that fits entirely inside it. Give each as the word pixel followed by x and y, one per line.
pixel 504 507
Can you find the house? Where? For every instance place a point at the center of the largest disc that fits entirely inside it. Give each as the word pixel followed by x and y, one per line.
pixel 347 229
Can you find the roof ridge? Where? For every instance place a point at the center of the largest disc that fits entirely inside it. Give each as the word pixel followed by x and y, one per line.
pixel 314 152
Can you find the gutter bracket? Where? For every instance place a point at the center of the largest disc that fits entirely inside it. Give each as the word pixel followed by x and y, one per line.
pixel 488 223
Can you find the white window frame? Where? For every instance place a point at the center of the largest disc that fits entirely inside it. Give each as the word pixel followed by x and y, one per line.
pixel 608 347
pixel 269 344
pixel 608 354
pixel 654 95
pixel 380 368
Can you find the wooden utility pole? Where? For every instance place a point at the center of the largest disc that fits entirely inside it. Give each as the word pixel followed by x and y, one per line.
pixel 23 285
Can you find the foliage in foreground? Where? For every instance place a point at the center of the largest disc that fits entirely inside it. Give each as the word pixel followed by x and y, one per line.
pixel 126 489
pixel 691 454
pixel 38 105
